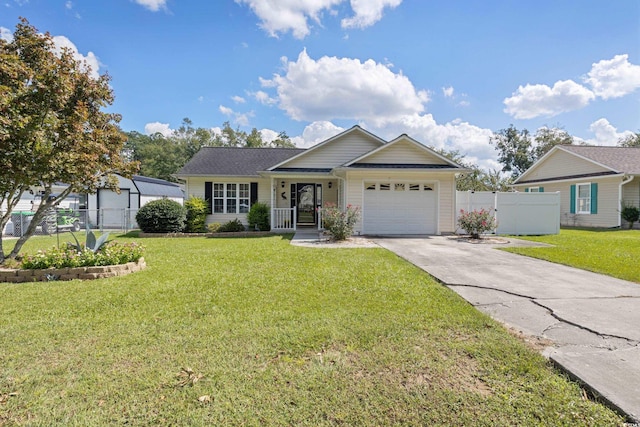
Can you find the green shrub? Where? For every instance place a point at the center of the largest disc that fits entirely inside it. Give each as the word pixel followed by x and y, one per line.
pixel 197 209
pixel 630 214
pixel 213 227
pixel 258 217
pixel 337 222
pixel 231 227
pixel 162 216
pixel 68 255
pixel 476 222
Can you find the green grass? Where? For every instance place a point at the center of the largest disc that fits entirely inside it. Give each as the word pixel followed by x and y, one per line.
pixel 612 252
pixel 281 335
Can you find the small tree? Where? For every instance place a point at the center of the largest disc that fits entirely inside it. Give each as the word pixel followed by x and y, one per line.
pixel 476 222
pixel 338 222
pixel 52 127
pixel 197 208
pixel 630 213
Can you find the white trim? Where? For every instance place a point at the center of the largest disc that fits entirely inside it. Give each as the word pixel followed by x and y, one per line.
pixel 573 180
pixel 578 211
pixel 625 180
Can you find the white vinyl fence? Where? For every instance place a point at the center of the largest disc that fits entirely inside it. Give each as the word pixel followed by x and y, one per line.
pixel 516 213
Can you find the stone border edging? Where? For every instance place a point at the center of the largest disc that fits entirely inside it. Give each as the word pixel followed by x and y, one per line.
pixel 70 273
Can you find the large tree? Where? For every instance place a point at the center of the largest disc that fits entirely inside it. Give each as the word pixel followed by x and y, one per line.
pixel 52 126
pixel 514 147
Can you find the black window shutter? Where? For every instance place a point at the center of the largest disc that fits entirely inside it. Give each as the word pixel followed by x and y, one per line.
pixel 254 193
pixel 208 195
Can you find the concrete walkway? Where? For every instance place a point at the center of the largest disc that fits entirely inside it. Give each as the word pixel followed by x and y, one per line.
pixel 592 320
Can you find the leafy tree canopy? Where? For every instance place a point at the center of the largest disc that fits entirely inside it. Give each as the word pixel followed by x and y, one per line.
pixel 162 156
pixel 52 125
pixel 630 140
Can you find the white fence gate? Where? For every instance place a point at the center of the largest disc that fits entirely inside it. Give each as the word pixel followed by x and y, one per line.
pixel 516 213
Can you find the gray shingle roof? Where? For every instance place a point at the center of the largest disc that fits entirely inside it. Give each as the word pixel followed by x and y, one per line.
pixel 620 159
pixel 235 161
pixel 157 187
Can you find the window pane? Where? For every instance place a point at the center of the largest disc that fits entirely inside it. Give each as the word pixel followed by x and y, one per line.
pixel 231 206
pixel 399 187
pixel 231 191
pixel 385 186
pixel 243 191
pixel 414 187
pixel 244 205
pixel 218 205
pixel 369 186
pixel 218 190
pixel 584 190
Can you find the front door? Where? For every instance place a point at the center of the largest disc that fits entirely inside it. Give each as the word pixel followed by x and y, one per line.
pixel 306 203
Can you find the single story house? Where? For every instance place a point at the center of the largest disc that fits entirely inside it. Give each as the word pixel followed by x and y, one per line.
pixel 401 186
pixel 593 181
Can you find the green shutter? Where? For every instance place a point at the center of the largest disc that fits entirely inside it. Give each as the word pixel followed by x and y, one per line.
pixel 541 189
pixel 208 195
pixel 526 190
pixel 572 200
pixel 594 198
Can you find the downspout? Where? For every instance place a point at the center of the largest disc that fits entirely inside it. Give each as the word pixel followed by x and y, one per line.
pixel 624 181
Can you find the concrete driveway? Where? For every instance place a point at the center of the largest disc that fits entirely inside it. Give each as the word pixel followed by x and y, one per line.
pixel 592 320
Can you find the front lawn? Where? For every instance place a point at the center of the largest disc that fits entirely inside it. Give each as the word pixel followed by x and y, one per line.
pixel 612 252
pixel 259 332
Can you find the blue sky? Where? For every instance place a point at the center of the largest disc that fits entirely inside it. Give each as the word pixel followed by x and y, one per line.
pixel 446 73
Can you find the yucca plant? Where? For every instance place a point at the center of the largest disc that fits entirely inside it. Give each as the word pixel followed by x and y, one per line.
pixel 92 244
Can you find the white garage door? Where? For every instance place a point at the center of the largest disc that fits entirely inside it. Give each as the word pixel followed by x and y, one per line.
pixel 400 208
pixel 112 207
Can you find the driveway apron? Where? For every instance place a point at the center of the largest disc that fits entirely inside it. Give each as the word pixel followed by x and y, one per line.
pixel 592 320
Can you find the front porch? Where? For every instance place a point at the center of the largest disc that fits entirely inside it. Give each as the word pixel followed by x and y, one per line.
pixel 296 201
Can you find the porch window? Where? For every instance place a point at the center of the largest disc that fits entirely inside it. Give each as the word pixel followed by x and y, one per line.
pixel 399 186
pixel 370 186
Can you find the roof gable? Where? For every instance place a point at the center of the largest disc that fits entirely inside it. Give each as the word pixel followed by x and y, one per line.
pixel 235 161
pixel 334 151
pixel 403 151
pixel 564 161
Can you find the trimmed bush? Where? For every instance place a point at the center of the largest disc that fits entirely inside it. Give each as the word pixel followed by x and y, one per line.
pixel 337 222
pixel 231 227
pixel 197 208
pixel 162 216
pixel 258 217
pixel 213 227
pixel 630 213
pixel 476 222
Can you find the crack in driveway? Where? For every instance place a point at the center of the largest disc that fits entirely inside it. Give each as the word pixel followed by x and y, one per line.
pixel 551 312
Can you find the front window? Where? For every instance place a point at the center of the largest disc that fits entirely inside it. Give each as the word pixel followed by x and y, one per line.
pixel 583 198
pixel 534 189
pixel 231 198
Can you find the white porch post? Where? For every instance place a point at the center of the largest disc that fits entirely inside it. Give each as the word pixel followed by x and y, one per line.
pixel 273 201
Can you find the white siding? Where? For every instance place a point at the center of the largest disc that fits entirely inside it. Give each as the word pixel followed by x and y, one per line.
pixel 336 152
pixel 561 164
pixel 403 152
pixel 631 196
pixel 195 188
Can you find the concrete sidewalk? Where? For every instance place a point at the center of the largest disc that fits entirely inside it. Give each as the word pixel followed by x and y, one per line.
pixel 592 320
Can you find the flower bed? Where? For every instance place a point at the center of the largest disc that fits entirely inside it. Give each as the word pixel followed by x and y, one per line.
pixel 13 275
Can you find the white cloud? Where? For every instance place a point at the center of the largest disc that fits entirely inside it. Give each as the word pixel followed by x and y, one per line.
pixel 153 5
pixel 157 127
pixel 541 100
pixel 344 88
pixel 604 133
pixel 611 78
pixel 447 91
pixel 268 135
pixel 240 118
pixel 367 12
pixel 281 16
pixel 69 5
pixel 264 98
pixel 238 99
pixel 6 34
pixel 614 78
pixel 315 133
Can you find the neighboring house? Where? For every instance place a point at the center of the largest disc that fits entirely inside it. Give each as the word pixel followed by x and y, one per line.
pixel 593 181
pixel 401 186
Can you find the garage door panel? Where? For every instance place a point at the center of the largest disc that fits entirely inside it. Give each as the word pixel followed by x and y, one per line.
pixel 399 212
